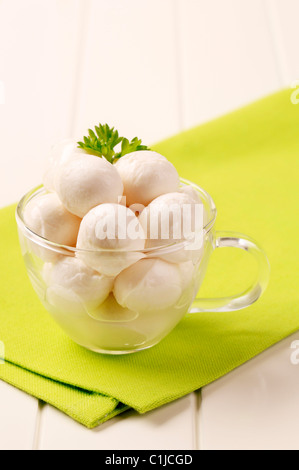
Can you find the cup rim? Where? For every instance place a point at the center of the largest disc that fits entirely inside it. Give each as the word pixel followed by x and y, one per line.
pixel 64 249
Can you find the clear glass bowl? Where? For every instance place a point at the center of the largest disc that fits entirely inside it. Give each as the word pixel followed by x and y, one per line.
pixel 110 329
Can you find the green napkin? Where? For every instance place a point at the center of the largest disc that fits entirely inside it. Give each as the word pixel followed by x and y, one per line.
pixel 249 162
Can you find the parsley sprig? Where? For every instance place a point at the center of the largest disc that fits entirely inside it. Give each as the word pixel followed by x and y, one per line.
pixel 103 141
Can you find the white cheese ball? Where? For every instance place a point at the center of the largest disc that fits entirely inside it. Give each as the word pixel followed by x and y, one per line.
pixel 73 286
pixel 87 181
pixel 194 194
pixel 111 312
pixel 191 192
pixel 110 227
pixel 148 285
pixel 48 218
pixel 165 223
pixel 187 273
pixel 146 175
pixel 59 155
pixel 163 219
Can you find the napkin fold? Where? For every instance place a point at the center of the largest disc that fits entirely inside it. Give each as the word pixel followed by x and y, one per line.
pixel 249 162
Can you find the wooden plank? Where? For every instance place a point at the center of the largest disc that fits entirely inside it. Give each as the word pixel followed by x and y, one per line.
pixel 18 413
pixel 227 56
pixel 38 64
pixel 167 428
pixel 256 406
pixel 283 18
pixel 128 73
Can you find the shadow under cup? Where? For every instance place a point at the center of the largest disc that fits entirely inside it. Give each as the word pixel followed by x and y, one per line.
pixel 109 328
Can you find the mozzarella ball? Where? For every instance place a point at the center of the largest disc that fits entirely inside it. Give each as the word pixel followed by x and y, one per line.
pixel 194 194
pixel 59 155
pixel 116 237
pixel 146 175
pixel 111 312
pixel 148 285
pixel 73 287
pixel 187 271
pixel 171 219
pixel 48 218
pixel 164 222
pixel 87 181
pixel 191 192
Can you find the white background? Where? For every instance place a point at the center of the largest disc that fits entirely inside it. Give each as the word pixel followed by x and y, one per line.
pixel 152 68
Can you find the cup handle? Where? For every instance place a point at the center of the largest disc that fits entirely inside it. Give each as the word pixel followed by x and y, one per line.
pixel 254 292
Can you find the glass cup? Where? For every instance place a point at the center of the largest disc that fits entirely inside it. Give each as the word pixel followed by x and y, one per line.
pixel 109 328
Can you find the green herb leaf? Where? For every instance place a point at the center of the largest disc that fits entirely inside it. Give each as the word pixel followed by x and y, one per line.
pixel 129 147
pixel 103 143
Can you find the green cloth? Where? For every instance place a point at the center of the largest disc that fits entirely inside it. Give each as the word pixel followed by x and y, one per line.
pixel 249 162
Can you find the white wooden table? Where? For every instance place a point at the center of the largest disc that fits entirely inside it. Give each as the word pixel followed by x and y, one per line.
pixel 153 68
